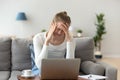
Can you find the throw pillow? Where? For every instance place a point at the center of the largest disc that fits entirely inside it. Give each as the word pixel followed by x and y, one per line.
pixel 89 67
pixel 35 70
pixel 20 54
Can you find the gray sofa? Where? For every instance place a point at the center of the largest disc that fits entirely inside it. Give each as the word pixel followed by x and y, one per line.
pixel 15 56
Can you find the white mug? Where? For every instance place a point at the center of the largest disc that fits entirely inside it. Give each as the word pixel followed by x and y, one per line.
pixel 27 72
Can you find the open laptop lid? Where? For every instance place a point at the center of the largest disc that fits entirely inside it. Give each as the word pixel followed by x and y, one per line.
pixel 60 68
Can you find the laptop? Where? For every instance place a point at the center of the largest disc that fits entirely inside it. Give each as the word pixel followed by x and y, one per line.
pixel 60 68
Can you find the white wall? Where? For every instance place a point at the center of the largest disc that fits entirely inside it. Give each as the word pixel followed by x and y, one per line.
pixel 82 12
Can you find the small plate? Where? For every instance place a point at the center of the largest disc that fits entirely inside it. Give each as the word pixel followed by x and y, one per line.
pixel 27 75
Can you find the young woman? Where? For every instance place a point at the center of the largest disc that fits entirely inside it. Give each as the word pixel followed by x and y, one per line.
pixel 57 42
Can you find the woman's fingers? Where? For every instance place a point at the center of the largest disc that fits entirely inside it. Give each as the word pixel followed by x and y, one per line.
pixel 65 29
pixel 53 26
pixel 50 32
pixel 66 26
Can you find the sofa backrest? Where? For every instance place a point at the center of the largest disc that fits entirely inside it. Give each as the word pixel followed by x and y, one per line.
pixel 16 52
pixel 84 48
pixel 5 53
pixel 21 54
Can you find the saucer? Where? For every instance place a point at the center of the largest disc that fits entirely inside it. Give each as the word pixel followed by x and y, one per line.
pixel 27 75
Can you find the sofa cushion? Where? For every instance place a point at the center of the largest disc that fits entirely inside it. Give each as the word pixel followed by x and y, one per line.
pixel 21 54
pixel 14 75
pixel 89 67
pixel 5 52
pixel 4 75
pixel 84 48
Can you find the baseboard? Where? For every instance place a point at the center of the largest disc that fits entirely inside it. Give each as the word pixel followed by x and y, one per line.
pixel 114 56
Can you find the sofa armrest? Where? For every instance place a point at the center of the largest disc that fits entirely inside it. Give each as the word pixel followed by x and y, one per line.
pixel 110 71
pixel 89 67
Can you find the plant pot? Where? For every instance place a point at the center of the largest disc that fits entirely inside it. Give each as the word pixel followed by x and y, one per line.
pixel 79 34
pixel 98 54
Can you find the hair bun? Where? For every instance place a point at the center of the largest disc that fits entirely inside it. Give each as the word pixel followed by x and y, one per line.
pixel 65 13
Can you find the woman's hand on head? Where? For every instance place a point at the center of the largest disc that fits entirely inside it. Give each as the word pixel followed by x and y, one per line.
pixel 65 28
pixel 50 32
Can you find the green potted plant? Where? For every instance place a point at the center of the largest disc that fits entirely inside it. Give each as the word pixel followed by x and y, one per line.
pixel 79 32
pixel 100 23
pixel 43 30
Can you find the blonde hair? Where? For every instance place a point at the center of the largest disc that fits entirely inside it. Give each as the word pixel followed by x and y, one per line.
pixel 63 17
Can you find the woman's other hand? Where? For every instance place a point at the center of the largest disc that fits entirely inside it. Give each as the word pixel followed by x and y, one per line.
pixel 65 29
pixel 50 32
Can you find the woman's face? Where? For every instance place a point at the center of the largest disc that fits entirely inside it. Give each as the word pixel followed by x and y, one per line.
pixel 59 29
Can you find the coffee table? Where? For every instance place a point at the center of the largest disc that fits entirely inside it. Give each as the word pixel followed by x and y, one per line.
pixel 37 78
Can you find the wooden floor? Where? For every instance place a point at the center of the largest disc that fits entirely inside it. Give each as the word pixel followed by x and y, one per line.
pixel 114 62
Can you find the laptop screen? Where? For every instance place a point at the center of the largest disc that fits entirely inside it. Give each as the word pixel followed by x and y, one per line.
pixel 60 68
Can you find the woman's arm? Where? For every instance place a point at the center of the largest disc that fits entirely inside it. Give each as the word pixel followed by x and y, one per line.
pixel 70 42
pixel 40 49
pixel 70 48
pixel 40 46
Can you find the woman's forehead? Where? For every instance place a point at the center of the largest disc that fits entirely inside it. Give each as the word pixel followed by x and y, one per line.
pixel 60 23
